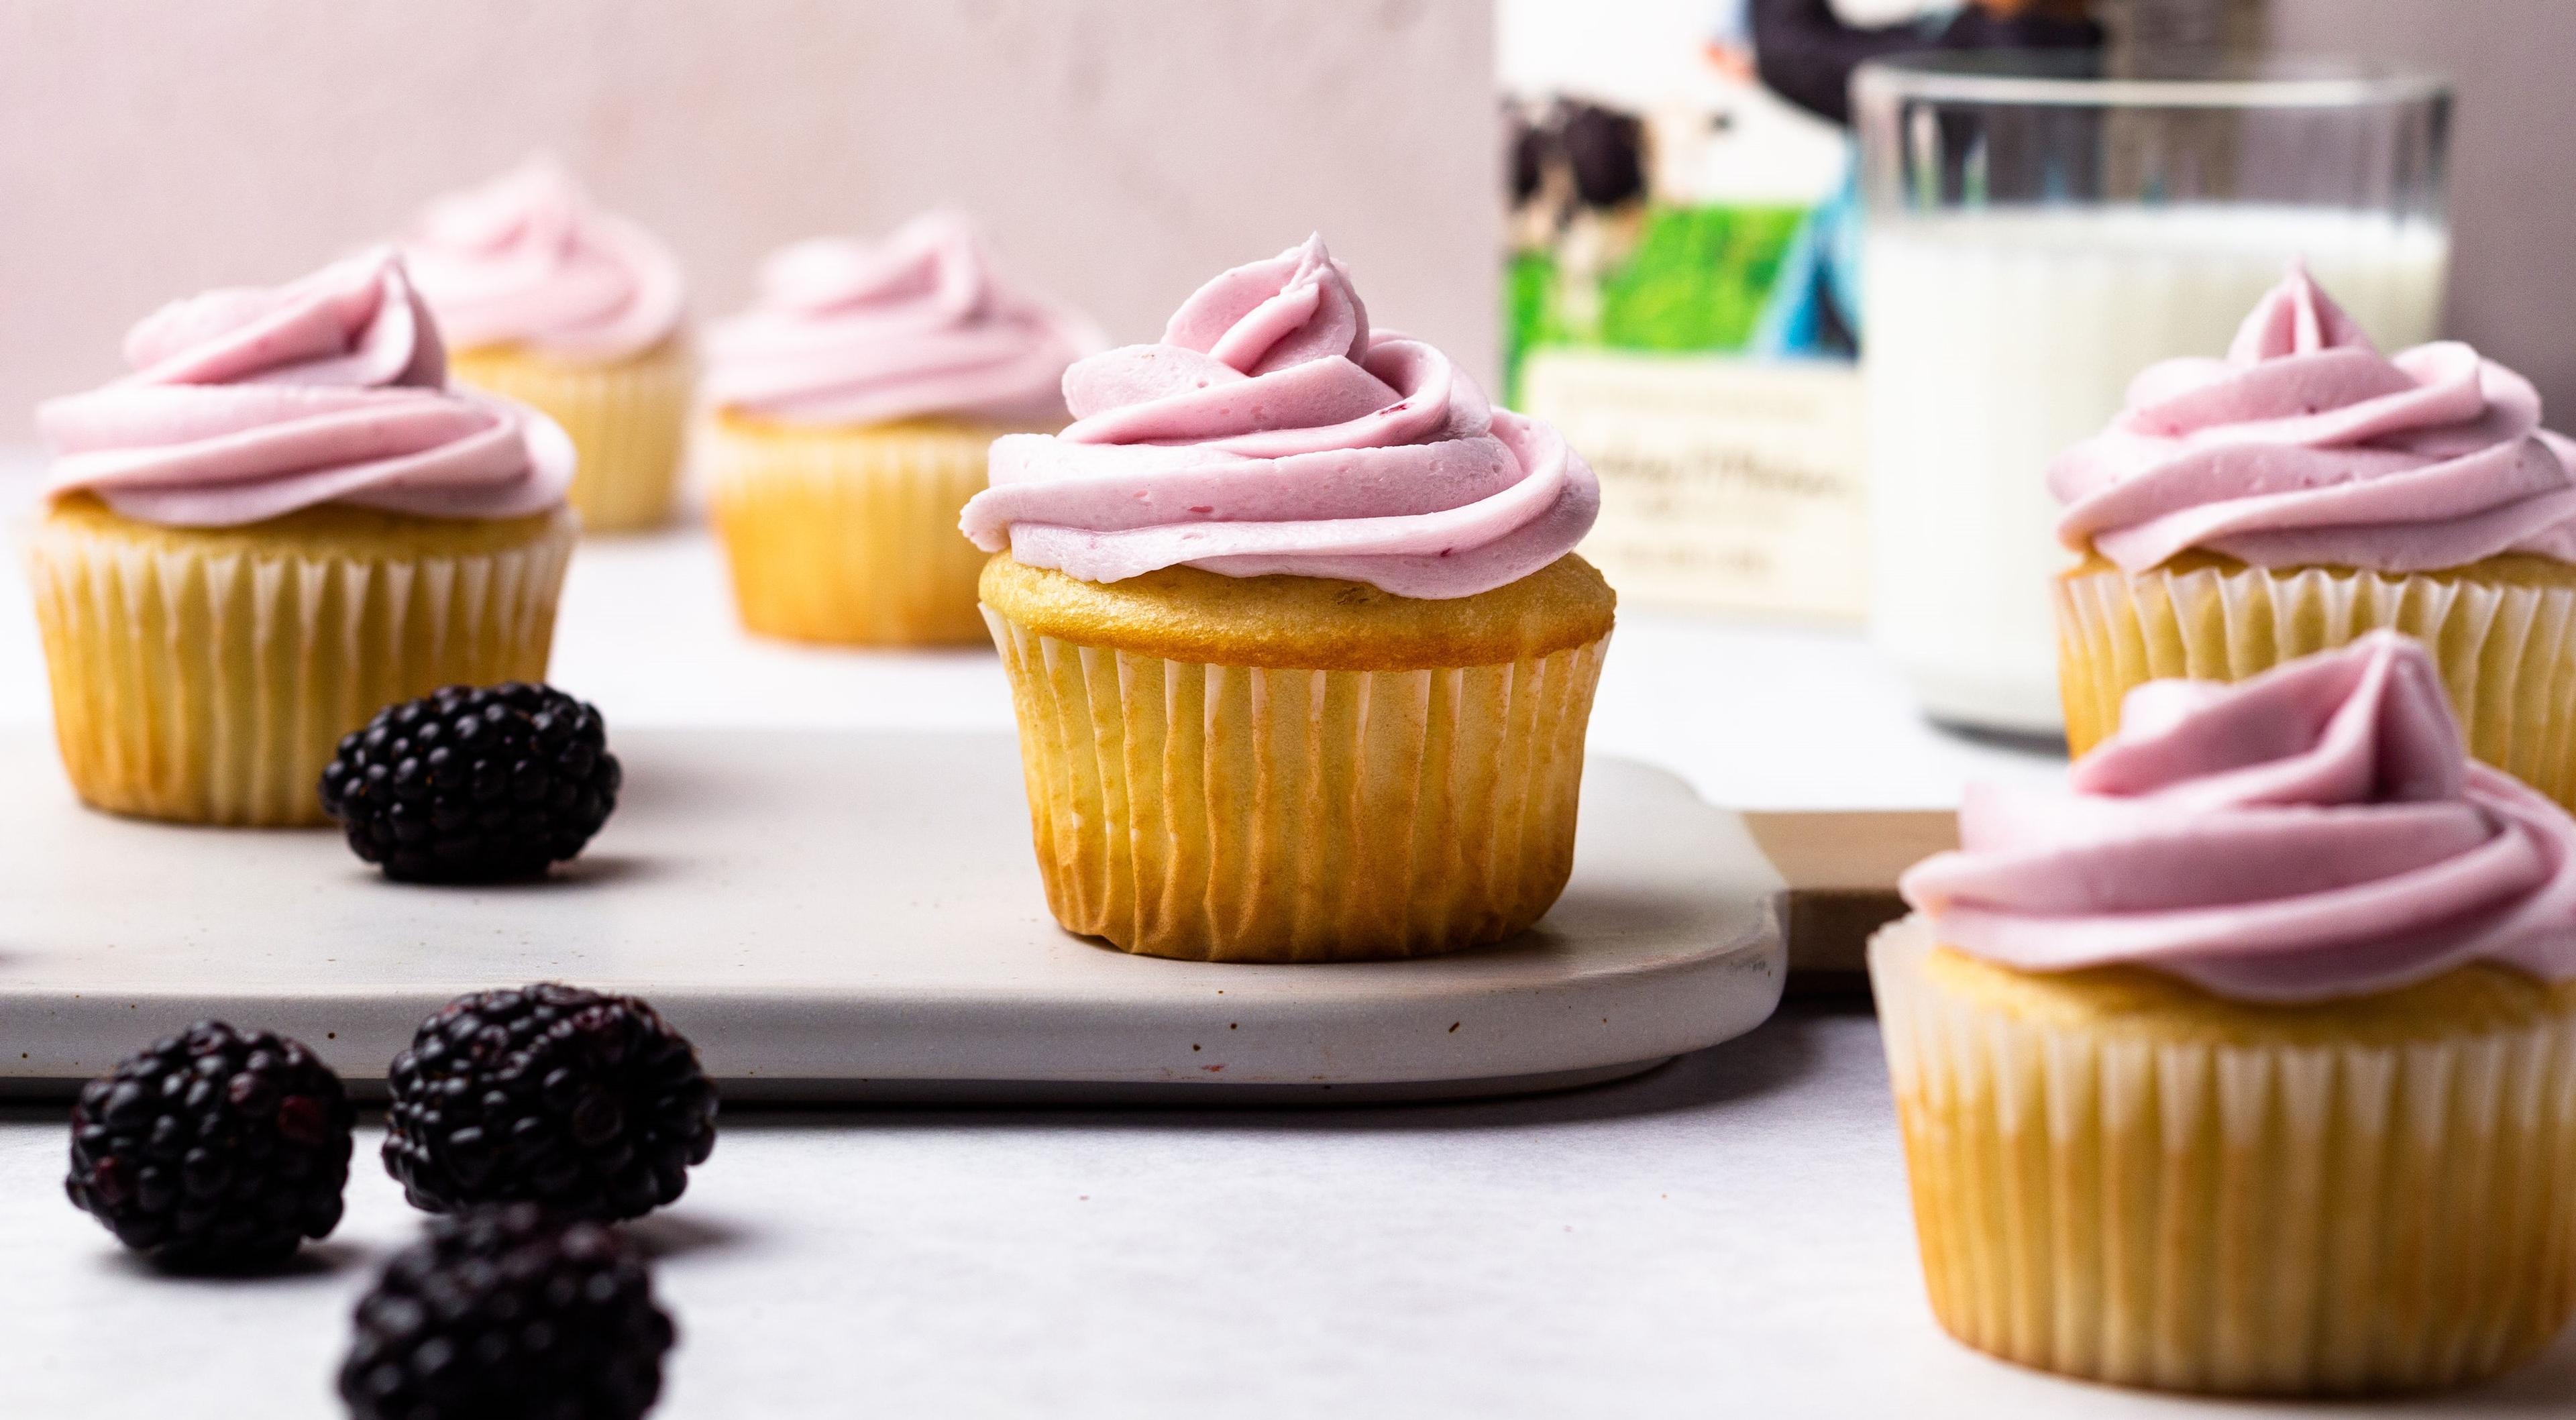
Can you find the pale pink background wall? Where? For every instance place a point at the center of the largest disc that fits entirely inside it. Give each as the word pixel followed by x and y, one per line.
pixel 1119 152
pixel 2513 203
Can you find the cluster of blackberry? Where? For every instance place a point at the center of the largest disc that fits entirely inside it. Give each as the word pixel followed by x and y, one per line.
pixel 213 1149
pixel 530 1118
pixel 591 1105
pixel 474 785
pixel 509 1310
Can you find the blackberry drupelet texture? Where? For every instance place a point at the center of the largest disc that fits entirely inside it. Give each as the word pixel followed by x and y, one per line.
pixel 213 1149
pixel 589 1104
pixel 504 1312
pixel 474 785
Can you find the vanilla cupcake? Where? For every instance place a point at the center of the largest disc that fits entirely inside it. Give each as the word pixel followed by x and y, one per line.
pixel 283 520
pixel 2250 1065
pixel 2243 512
pixel 853 405
pixel 1301 654
pixel 552 302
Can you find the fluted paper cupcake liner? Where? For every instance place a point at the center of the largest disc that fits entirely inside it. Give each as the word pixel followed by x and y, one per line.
pixel 2507 649
pixel 210 684
pixel 2189 1210
pixel 626 418
pixel 849 536
pixel 1231 813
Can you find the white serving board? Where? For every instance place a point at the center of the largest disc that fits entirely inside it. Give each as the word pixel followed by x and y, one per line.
pixel 857 916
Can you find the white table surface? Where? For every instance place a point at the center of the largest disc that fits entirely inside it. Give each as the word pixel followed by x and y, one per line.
pixel 1726 1235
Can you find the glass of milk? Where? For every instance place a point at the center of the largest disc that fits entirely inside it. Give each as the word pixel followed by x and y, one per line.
pixel 2034 234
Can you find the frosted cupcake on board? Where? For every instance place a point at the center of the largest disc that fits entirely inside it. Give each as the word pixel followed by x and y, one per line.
pixel 2306 489
pixel 853 406
pixel 551 301
pixel 2250 1064
pixel 282 520
pixel 1301 653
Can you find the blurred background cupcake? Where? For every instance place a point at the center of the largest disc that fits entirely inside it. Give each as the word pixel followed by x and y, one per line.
pixel 1301 655
pixel 551 301
pixel 2306 489
pixel 281 521
pixel 853 405
pixel 2246 1066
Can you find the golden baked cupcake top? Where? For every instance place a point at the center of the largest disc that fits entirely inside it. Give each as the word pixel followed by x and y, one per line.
pixel 1309 623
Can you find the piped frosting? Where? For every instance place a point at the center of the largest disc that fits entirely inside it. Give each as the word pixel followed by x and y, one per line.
pixel 248 403
pixel 2305 446
pixel 2316 831
pixel 849 332
pixel 1271 430
pixel 528 259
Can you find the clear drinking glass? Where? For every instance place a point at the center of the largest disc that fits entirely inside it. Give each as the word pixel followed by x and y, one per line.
pixel 2036 233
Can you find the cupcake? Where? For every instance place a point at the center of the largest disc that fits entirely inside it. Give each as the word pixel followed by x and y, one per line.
pixel 2250 1065
pixel 2244 512
pixel 547 300
pixel 283 519
pixel 853 405
pixel 1301 654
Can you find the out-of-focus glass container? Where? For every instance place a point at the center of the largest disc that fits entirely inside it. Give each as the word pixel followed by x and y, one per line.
pixel 2035 234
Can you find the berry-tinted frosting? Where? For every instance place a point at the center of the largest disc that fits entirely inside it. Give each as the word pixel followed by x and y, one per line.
pixel 527 259
pixel 848 332
pixel 2313 832
pixel 1271 431
pixel 2306 446
pixel 248 403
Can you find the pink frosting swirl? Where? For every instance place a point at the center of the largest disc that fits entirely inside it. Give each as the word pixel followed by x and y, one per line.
pixel 2306 446
pixel 846 332
pixel 248 403
pixel 527 260
pixel 2315 831
pixel 1272 432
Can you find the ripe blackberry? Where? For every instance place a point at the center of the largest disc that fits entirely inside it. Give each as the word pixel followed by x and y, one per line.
pixel 474 785
pixel 589 1104
pixel 213 1148
pixel 509 1311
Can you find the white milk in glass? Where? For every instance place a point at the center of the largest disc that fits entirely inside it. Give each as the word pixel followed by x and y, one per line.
pixel 1993 339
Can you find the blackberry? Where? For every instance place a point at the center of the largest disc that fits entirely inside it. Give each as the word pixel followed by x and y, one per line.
pixel 474 785
pixel 587 1103
pixel 213 1148
pixel 509 1311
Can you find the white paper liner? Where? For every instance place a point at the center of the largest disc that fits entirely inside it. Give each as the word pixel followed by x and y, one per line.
pixel 627 421
pixel 1237 813
pixel 2507 652
pixel 213 687
pixel 851 541
pixel 2197 1215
